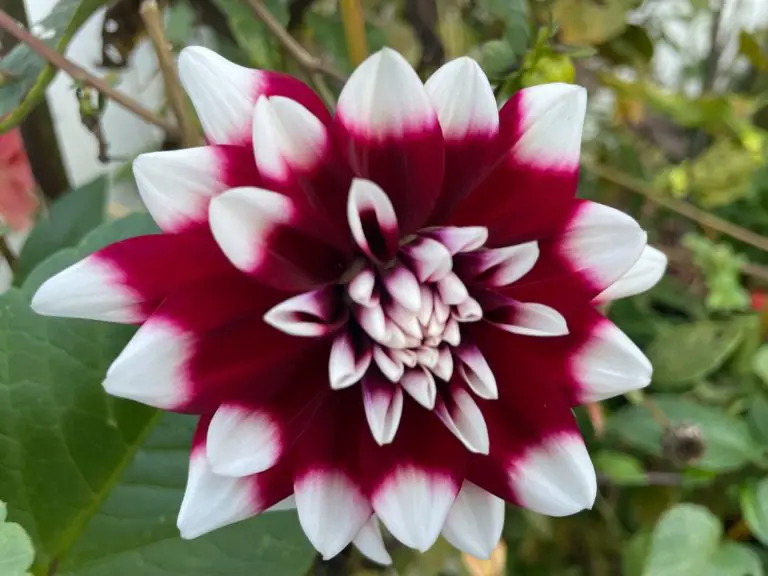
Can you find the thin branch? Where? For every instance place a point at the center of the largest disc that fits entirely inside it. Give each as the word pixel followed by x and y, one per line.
pixel 312 64
pixel 61 62
pixel 190 133
pixel 682 208
pixel 353 21
pixel 650 479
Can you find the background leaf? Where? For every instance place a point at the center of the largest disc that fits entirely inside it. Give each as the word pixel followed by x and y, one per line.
pixel 70 218
pixel 16 550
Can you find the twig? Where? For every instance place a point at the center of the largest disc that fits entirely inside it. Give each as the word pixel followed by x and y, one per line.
pixel 314 66
pixel 353 21
pixel 650 479
pixel 6 252
pixel 683 208
pixel 61 62
pixel 190 134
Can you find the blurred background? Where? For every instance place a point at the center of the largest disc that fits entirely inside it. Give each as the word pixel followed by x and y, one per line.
pixel 676 135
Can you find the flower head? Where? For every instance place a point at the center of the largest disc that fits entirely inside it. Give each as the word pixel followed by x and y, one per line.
pixel 385 315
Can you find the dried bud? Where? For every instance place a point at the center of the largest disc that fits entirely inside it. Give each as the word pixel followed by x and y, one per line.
pixel 683 444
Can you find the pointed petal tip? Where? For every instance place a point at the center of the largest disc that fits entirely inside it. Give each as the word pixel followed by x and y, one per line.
pixel 91 290
pixel 475 522
pixel 556 478
pixel 242 442
pixel 371 544
pixel 643 276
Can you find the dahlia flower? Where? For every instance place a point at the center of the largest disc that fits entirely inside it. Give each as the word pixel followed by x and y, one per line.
pixel 384 315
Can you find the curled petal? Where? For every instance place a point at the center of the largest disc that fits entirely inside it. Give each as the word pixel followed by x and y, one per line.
pixel 643 276
pixel 420 384
pixel 452 290
pixel 403 287
pixel 373 321
pixel 468 311
pixel 348 362
pixel 497 267
pixel 310 314
pixel 372 220
pixel 362 288
pixel 461 415
pixel 389 363
pixel 392 136
pixel 475 521
pixel 443 368
pixel 383 402
pixel 428 258
pixel 528 319
pixel 459 238
pixel 475 371
pixel 371 544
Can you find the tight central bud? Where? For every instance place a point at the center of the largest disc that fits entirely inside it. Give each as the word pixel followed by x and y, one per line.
pixel 411 308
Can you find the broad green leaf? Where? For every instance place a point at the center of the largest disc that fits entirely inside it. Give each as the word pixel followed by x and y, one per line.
pixel 758 417
pixel 760 364
pixel 754 507
pixel 180 22
pixel 622 469
pixel 497 58
pixel 683 542
pixel 634 554
pixel 514 14
pixel 728 442
pixel 685 353
pixel 92 479
pixel 28 73
pixel 70 218
pixel 734 559
pixel 16 550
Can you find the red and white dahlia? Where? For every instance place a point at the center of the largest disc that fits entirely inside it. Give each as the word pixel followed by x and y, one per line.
pixel 382 315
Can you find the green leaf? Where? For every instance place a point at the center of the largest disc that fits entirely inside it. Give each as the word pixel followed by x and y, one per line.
pixel 754 507
pixel 728 442
pixel 179 22
pixel 683 541
pixel 28 75
pixel 685 353
pixel 622 469
pixel 634 554
pixel 750 48
pixel 70 218
pixel 250 34
pixel 16 550
pixel 591 21
pixel 97 481
pixel 734 559
pixel 760 364
pixel 757 417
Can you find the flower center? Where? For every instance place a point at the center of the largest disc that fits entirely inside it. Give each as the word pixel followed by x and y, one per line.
pixel 412 307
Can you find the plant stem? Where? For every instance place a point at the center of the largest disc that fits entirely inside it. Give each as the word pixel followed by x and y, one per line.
pixel 682 208
pixel 353 21
pixel 190 134
pixel 307 61
pixel 78 73
pixel 7 253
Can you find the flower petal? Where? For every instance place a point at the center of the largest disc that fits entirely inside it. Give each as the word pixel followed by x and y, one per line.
pixel 389 365
pixel 383 402
pixel 466 109
pixel 224 93
pixel 372 220
pixel 475 521
pixel 528 319
pixel 414 480
pixel 371 544
pixel 428 258
pixel 540 139
pixel 349 360
pixel 243 441
pixel 126 280
pixel 497 267
pixel 311 314
pixel 267 235
pixel 452 290
pixel 461 415
pixel 177 186
pixel 392 136
pixel 459 238
pixel 212 501
pixel 403 287
pixel 420 384
pixel 475 371
pixel 643 276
